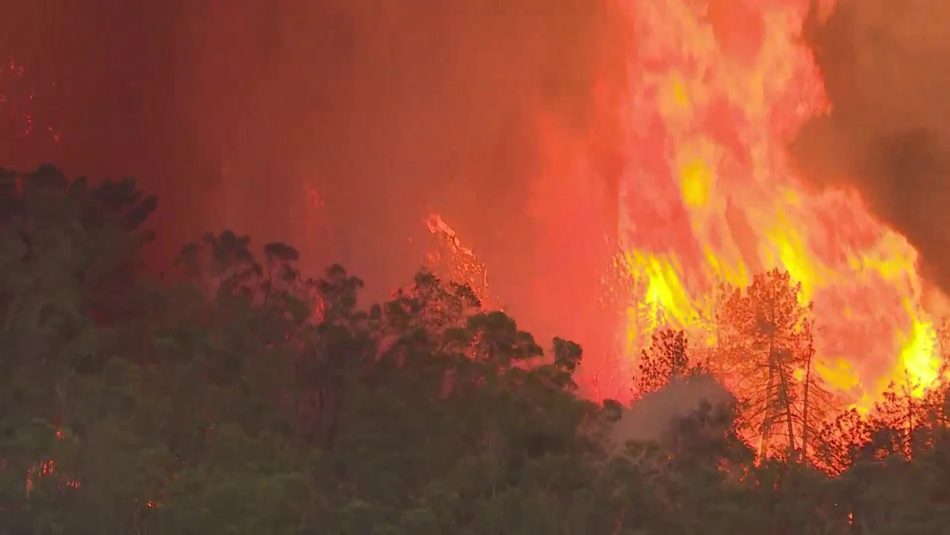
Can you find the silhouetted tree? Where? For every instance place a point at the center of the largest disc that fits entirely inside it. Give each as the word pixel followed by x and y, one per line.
pixel 666 359
pixel 767 348
pixel 240 396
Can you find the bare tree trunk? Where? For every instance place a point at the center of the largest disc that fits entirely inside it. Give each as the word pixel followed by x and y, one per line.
pixel 766 429
pixel 909 418
pixel 805 406
pixel 784 399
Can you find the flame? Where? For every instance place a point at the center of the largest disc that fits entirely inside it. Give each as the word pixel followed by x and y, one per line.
pixel 454 260
pixel 918 356
pixel 708 197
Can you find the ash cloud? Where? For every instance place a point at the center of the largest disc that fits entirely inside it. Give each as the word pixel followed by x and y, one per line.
pixel 886 66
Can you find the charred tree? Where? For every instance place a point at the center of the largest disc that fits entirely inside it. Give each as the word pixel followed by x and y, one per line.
pixel 766 350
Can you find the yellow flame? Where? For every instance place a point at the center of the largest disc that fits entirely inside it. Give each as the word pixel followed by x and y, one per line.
pixel 786 248
pixel 680 96
pixel 892 258
pixel 696 181
pixel 737 275
pixel 665 294
pixel 722 125
pixel 918 354
pixel 839 373
pixel 675 99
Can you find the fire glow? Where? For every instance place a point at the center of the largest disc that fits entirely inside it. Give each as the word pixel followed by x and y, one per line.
pixel 716 90
pixel 709 196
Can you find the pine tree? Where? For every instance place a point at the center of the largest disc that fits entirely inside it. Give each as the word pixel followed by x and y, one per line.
pixel 667 358
pixel 766 348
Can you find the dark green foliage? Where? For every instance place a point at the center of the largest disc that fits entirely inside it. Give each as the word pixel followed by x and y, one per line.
pixel 241 397
pixel 666 359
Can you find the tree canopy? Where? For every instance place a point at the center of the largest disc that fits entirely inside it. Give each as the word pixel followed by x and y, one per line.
pixel 238 395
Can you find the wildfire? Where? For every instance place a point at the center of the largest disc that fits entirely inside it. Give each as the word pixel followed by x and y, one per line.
pixel 454 260
pixel 708 197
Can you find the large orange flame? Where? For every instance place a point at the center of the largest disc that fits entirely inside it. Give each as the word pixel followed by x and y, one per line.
pixel 717 89
pixel 707 197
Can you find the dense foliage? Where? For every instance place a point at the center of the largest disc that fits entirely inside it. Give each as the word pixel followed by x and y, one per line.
pixel 238 396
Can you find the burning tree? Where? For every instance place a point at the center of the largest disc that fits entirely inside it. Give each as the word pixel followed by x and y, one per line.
pixel 455 261
pixel 767 351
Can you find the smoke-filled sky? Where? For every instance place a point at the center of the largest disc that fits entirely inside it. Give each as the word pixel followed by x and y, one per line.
pixel 499 115
pixel 387 110
pixel 886 66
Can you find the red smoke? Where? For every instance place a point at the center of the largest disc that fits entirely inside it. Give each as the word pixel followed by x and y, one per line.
pixel 360 117
pixel 339 125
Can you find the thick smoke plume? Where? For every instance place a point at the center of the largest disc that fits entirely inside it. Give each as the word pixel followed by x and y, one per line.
pixel 886 73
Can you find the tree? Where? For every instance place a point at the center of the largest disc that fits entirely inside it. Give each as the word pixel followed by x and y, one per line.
pixel 666 359
pixel 766 345
pixel 240 396
pixel 67 254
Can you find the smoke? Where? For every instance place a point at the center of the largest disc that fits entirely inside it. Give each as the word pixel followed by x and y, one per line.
pixel 888 132
pixel 340 125
pixel 649 418
pixel 395 109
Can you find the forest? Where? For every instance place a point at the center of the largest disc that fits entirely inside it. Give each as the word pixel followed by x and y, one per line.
pixel 235 394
